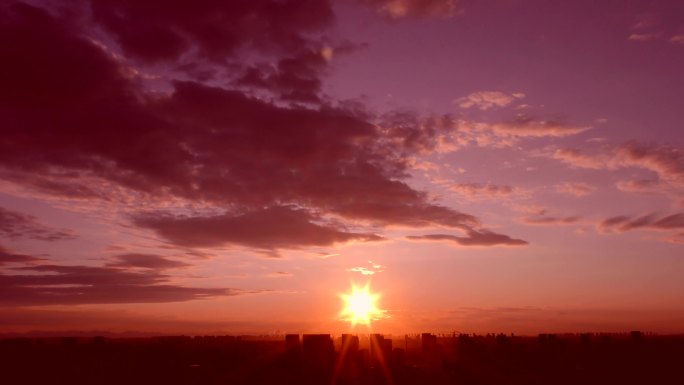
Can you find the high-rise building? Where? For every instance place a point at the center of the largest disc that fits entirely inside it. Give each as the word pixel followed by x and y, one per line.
pixel 292 342
pixel 318 350
pixel 350 344
pixel 380 349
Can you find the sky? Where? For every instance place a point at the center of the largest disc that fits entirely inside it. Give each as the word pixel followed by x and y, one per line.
pixel 206 167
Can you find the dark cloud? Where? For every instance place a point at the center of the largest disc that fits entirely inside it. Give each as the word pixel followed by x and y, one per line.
pixel 653 221
pixel 71 285
pixel 294 78
pixel 216 29
pixel 411 133
pixel 148 261
pixel 473 238
pixel 207 144
pixel 8 257
pixel 272 228
pixel 68 186
pixel 410 214
pixel 90 120
pixel 18 225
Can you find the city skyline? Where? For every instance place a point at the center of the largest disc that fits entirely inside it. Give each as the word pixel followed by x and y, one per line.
pixel 318 358
pixel 247 167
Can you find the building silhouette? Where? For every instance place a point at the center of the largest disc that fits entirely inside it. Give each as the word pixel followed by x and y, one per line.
pixel 587 358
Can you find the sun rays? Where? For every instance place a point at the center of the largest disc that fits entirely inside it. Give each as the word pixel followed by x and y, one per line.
pixel 361 306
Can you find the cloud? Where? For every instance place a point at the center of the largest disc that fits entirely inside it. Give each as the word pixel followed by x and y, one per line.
pixel 17 225
pixel 217 30
pixel 526 126
pixel 271 228
pixel 473 238
pixel 415 8
pixel 549 220
pixel 505 133
pixel 652 26
pixel 645 36
pixel 484 100
pixel 646 20
pixel 667 161
pixel 639 185
pixel 294 78
pixel 280 274
pixel 372 269
pixel 575 158
pixel 147 261
pixel 677 238
pixel 68 186
pixel 73 285
pixel 103 135
pixel 651 221
pixel 540 216
pixel 409 214
pixel 482 190
pixel 578 189
pixel 362 270
pixel 9 257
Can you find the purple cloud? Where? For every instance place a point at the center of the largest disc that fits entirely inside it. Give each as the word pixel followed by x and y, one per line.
pixel 147 261
pixel 72 285
pixel 271 228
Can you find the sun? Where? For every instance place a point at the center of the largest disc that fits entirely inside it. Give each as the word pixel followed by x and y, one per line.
pixel 360 306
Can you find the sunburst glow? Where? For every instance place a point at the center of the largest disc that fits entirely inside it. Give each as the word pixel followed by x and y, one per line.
pixel 360 306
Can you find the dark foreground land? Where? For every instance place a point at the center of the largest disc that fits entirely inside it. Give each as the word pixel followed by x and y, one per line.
pixel 319 359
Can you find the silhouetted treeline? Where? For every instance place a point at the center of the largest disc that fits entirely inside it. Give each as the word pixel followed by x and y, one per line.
pixel 631 358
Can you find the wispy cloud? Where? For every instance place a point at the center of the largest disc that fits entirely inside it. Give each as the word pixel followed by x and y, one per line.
pixel 71 285
pixel 147 261
pixel 526 126
pixel 545 220
pixel 645 36
pixel 485 100
pixel 371 269
pixel 481 191
pixel 7 257
pixel 651 221
pixel 578 189
pixel 665 161
pixel 14 224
